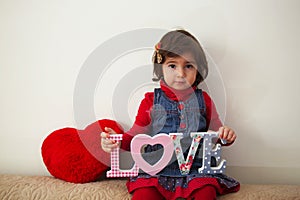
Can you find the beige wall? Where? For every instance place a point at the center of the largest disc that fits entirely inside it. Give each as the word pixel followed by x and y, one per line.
pixel 255 46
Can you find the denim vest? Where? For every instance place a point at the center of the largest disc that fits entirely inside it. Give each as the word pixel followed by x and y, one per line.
pixel 170 116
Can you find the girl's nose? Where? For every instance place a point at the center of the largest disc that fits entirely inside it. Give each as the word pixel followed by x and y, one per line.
pixel 180 72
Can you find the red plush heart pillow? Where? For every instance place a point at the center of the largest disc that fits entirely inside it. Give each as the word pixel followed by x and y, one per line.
pixel 76 155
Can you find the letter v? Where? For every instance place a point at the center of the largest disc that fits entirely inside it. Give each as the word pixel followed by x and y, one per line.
pixel 185 165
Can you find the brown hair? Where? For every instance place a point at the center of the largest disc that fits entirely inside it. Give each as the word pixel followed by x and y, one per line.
pixel 176 43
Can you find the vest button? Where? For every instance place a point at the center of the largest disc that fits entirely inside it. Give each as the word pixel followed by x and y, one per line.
pixel 182 125
pixel 181 106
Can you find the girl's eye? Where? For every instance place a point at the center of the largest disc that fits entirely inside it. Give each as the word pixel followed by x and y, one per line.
pixel 189 66
pixel 172 66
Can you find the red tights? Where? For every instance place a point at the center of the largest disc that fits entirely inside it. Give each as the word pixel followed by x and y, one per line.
pixel 206 193
pixel 150 193
pixel 147 193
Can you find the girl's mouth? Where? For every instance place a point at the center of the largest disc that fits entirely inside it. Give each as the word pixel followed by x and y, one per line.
pixel 180 82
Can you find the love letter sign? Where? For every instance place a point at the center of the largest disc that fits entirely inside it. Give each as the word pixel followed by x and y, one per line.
pixel 170 144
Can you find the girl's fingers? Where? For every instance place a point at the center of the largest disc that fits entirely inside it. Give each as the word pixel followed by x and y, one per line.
pixel 231 136
pixel 227 134
pixel 232 139
pixel 109 130
pixel 104 135
pixel 107 144
pixel 221 132
pixel 105 139
pixel 108 147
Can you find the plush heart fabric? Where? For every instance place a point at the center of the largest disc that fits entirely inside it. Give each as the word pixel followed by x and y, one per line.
pixel 76 155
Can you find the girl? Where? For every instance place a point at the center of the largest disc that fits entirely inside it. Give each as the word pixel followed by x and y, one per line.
pixel 177 106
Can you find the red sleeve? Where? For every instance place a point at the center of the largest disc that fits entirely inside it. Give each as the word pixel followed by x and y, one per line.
pixel 142 121
pixel 213 121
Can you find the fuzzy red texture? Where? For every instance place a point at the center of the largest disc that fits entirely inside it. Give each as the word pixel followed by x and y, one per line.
pixel 143 119
pixel 76 155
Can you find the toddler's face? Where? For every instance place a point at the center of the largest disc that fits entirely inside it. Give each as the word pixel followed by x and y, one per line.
pixel 180 72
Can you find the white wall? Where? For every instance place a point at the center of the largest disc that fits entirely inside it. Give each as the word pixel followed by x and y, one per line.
pixel 254 44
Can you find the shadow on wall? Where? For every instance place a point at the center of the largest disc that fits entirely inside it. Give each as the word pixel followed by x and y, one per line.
pixel 256 157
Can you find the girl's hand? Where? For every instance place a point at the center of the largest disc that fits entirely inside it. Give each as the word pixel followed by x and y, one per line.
pixel 226 133
pixel 107 144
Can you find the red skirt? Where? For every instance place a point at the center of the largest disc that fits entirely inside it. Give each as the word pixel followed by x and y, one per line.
pixel 183 192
